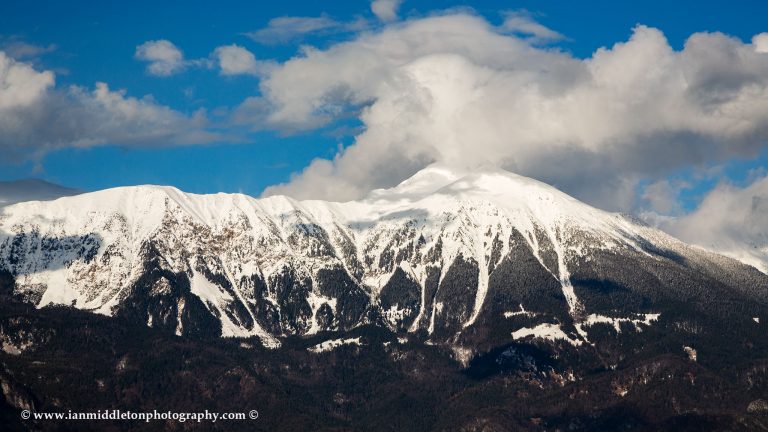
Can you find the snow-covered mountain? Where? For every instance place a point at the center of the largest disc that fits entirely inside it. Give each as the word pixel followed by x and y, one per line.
pixel 467 259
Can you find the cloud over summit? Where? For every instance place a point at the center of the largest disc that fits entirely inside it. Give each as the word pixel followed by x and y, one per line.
pixel 458 90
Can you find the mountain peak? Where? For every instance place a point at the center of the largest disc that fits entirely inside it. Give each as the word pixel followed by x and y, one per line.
pixel 439 187
pixel 450 180
pixel 423 182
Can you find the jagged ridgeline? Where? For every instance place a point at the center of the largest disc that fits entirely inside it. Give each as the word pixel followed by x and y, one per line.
pixel 471 262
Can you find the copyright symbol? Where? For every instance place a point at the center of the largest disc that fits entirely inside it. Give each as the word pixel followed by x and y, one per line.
pixel 25 414
pixel 253 414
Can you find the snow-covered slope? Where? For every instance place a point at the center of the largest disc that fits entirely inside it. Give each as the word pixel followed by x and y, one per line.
pixel 437 255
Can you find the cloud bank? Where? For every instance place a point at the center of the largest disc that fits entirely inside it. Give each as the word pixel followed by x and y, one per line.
pixel 36 117
pixel 458 90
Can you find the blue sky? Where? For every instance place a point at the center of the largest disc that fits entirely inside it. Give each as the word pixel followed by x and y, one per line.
pixel 89 42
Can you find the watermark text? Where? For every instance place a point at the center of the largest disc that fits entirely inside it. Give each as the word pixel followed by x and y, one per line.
pixel 145 416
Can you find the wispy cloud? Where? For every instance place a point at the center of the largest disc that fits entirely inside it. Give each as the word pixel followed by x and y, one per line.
pixel 288 29
pixel 522 23
pixel 22 50
pixel 663 196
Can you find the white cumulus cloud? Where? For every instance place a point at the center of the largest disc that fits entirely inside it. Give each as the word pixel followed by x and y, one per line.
pixel 163 56
pixel 236 60
pixel 20 84
pixel 19 49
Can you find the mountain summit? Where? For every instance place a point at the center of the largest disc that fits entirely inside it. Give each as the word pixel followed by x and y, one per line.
pixel 467 260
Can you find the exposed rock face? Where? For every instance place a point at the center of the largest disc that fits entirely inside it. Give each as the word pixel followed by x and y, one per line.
pixel 472 261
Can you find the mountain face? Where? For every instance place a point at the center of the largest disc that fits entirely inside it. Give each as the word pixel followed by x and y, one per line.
pixel 453 301
pixel 467 261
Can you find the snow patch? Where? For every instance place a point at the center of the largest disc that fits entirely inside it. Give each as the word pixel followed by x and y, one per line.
pixel 332 344
pixel 58 291
pixel 521 312
pixel 646 319
pixel 547 331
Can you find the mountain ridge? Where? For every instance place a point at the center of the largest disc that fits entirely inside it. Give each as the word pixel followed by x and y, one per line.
pixel 443 255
